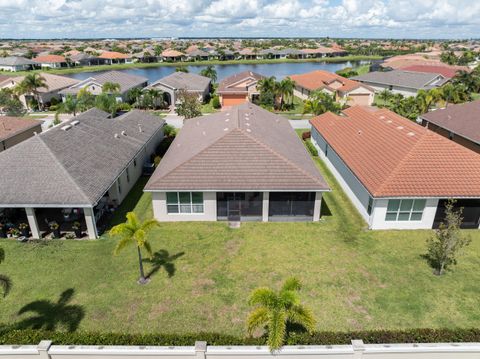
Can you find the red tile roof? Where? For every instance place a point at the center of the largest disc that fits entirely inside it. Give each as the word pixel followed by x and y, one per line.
pixel 113 55
pixel 49 59
pixel 446 71
pixel 320 79
pixel 395 157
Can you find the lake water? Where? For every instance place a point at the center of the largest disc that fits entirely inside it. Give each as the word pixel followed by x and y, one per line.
pixel 279 70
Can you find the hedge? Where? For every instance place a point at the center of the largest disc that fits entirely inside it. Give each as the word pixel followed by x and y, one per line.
pixel 311 148
pixel 31 336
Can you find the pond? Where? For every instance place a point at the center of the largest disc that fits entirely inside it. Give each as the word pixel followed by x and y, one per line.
pixel 279 70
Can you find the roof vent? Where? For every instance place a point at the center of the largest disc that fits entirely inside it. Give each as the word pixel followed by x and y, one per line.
pixel 359 132
pixel 74 123
pixel 227 119
pixel 247 124
pixel 249 130
pixel 389 121
pixel 411 134
pixel 66 128
pixel 140 128
pixel 124 133
pixel 382 117
pixel 225 129
pixel 400 128
pixel 228 113
pixel 35 133
pixel 204 133
pixel 116 135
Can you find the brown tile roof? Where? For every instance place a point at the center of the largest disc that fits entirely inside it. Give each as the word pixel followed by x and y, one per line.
pixel 111 55
pixel 54 82
pixel 462 119
pixel 395 157
pixel 317 80
pixel 244 148
pixel 11 126
pixel 229 84
pixel 49 59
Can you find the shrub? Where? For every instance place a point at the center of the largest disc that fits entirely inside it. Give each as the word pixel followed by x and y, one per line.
pixel 169 130
pixel 306 135
pixel 311 148
pixel 216 102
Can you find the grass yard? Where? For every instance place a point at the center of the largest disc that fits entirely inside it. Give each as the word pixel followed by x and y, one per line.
pixel 204 272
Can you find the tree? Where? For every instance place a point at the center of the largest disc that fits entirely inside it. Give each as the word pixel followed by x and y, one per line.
pixel 320 102
pixel 275 310
pixel 134 232
pixel 449 57
pixel 181 69
pixel 134 95
pixel 444 247
pixel 107 103
pixel 111 87
pixel 30 85
pixel 10 104
pixel 5 281
pixel 85 100
pixel 70 105
pixel 189 106
pixel 210 72
pixel 154 94
pixel 285 89
pixel 385 96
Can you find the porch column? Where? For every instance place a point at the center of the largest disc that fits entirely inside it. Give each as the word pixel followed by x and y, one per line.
pixel 32 222
pixel 90 221
pixel 265 206
pixel 317 206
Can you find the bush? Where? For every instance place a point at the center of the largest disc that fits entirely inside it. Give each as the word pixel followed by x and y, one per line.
pixel 306 135
pixel 169 130
pixel 216 102
pixel 31 336
pixel 311 148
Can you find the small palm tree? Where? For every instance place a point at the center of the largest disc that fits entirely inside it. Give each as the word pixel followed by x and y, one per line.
pixel 274 310
pixel 70 105
pixel 210 72
pixel 30 85
pixel 134 232
pixel 111 87
pixel 5 281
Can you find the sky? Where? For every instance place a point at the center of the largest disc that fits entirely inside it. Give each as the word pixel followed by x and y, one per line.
pixel 239 18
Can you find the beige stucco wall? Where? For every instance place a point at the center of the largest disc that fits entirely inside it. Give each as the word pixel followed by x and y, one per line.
pixel 159 200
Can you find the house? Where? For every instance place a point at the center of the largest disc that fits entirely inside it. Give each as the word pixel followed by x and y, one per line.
pixel 197 55
pixel 397 173
pixel 238 88
pixel 170 55
pixel 14 130
pixel 95 84
pixel 78 171
pixel 448 72
pixel 460 123
pixel 16 63
pixel 407 83
pixel 51 61
pixel 244 164
pixel 113 57
pixel 84 59
pixel 176 81
pixel 345 90
pixel 55 84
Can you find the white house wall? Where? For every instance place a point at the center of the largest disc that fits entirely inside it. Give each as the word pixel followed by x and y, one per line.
pixel 407 92
pixel 159 200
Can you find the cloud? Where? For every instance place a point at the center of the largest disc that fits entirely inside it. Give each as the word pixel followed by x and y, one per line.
pixel 174 18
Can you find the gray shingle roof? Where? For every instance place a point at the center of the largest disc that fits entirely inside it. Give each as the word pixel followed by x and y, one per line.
pixel 77 166
pixel 184 80
pixel 244 148
pixel 408 79
pixel 125 80
pixel 16 61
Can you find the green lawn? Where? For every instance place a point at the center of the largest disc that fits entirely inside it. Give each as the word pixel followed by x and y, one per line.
pixel 353 278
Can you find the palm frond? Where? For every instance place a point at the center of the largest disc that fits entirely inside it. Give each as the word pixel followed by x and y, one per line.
pixel 147 246
pixel 121 230
pixel 132 220
pixel 263 296
pixel 277 328
pixel 5 284
pixel 288 298
pixel 122 243
pixel 150 224
pixel 302 315
pixel 291 284
pixel 257 318
pixel 140 237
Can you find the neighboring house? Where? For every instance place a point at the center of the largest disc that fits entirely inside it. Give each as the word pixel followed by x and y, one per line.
pixel 173 83
pixel 397 173
pixel 460 123
pixel 197 55
pixel 238 88
pixel 14 130
pixel 170 55
pixel 113 57
pixel 15 63
pixel 78 171
pixel 346 91
pixel 83 59
pixel 407 83
pixel 446 71
pixel 55 84
pixel 95 83
pixel 51 61
pixel 244 164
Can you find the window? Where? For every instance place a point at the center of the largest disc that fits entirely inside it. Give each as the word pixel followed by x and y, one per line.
pixel 405 209
pixel 128 176
pixel 184 202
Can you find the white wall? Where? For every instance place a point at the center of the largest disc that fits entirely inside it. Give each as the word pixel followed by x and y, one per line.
pixel 159 200
pixel 395 89
pixel 380 210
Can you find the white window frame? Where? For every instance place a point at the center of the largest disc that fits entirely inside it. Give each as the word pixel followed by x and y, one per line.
pixel 401 210
pixel 186 208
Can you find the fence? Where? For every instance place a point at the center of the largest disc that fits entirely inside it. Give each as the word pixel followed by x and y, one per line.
pixel 356 350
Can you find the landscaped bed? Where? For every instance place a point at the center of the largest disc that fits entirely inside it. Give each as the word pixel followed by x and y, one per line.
pixel 353 278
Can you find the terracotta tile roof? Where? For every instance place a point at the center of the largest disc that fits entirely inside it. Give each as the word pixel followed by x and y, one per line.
pixel 113 55
pixel 11 126
pixel 243 148
pixel 172 53
pixel 446 71
pixel 47 59
pixel 462 119
pixel 320 79
pixel 230 83
pixel 395 157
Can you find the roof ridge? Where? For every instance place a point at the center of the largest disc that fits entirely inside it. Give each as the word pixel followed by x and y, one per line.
pixel 55 159
pixel 278 154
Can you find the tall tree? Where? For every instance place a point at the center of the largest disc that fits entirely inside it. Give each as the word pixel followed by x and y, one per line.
pixel 30 85
pixel 135 232
pixel 320 102
pixel 189 106
pixel 210 72
pixel 10 104
pixel 275 310
pixel 5 281
pixel 70 105
pixel 286 87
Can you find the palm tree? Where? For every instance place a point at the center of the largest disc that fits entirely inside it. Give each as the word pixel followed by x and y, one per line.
pixel 154 94
pixel 111 87
pixel 30 85
pixel 106 103
pixel 210 72
pixel 70 105
pixel 286 87
pixel 5 281
pixel 274 310
pixel 134 232
pixel 133 95
pixel 384 96
pixel 320 102
pixel 85 100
